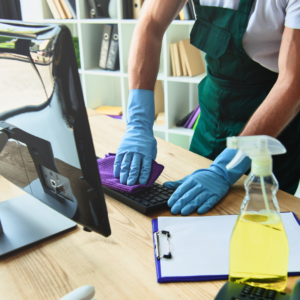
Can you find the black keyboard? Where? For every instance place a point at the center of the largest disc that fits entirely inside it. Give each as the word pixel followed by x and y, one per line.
pixel 145 201
pixel 239 291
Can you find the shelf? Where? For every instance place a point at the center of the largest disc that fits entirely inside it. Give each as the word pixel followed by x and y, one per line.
pixel 60 21
pixel 98 71
pixel 183 22
pixel 109 21
pixel 99 21
pixel 128 21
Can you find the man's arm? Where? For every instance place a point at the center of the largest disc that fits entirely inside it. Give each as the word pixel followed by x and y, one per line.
pixel 283 102
pixel 144 54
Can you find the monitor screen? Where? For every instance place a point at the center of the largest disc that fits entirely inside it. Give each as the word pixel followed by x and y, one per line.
pixel 45 138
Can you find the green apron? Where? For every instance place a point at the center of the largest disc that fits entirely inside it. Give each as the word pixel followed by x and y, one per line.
pixel 233 89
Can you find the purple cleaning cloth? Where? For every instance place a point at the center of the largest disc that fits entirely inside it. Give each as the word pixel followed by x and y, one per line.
pixel 115 117
pixel 106 170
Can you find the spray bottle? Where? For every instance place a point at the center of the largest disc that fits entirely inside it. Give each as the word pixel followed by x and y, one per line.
pixel 259 247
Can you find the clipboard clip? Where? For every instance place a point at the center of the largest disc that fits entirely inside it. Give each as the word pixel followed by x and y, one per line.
pixel 157 247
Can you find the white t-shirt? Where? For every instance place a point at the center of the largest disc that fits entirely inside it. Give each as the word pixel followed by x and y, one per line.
pixel 267 19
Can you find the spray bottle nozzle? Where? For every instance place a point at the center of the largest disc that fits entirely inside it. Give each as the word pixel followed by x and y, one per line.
pixel 259 148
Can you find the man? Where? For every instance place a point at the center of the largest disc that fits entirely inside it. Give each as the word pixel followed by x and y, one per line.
pixel 252 88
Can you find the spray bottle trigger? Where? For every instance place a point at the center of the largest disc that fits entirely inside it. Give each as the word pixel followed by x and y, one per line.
pixel 236 160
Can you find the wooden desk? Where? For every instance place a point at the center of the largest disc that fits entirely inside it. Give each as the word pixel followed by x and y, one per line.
pixel 122 265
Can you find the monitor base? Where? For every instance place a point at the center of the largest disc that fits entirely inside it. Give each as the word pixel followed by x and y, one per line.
pixel 26 220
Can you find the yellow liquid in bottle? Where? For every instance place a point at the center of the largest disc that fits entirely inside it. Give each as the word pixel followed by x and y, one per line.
pixel 259 251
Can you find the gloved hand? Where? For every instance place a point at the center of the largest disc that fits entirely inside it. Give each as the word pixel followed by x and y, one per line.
pixel 138 146
pixel 205 187
pixel 296 291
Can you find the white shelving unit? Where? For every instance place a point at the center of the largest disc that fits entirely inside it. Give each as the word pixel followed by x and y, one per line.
pixel 102 87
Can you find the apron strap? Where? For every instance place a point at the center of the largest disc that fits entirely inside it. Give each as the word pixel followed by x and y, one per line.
pixel 245 6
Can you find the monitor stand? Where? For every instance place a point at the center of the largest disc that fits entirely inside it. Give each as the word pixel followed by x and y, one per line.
pixel 26 220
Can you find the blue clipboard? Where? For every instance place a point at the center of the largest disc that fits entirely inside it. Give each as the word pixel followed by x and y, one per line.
pixel 161 279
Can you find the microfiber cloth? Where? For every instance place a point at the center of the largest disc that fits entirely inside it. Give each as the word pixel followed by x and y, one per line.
pixel 106 170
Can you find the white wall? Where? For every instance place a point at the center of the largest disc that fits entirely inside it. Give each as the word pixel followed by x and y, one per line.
pixel 31 10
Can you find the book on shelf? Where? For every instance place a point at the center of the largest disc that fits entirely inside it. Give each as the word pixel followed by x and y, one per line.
pixel 194 118
pixel 182 60
pixel 191 9
pixel 137 8
pixel 192 58
pixel 127 9
pixel 186 13
pixel 159 100
pixel 109 52
pixel 98 8
pixel 105 45
pixel 160 119
pixel 60 9
pixel 177 60
pixel 66 9
pixel 182 121
pixel 181 15
pixel 113 52
pixel 72 7
pixel 174 73
pixel 186 59
pixel 191 119
pixel 109 110
pixel 53 9
pixel 196 123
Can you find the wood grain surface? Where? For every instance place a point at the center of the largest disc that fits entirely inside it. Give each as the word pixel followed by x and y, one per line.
pixel 122 265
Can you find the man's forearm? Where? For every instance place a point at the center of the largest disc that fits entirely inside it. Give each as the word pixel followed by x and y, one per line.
pixel 144 57
pixel 145 49
pixel 283 102
pixel 278 109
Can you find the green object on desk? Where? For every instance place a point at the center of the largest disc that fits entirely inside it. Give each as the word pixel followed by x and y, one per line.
pixel 77 54
pixel 195 125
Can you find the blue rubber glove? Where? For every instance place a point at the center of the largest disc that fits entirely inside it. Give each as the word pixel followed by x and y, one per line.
pixel 138 146
pixel 296 291
pixel 205 187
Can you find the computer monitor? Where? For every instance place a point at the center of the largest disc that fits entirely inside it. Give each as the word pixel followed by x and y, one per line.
pixel 46 146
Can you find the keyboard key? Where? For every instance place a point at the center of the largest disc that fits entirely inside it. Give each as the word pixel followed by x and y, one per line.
pixel 164 197
pixel 153 201
pixel 138 199
pixel 146 203
pixel 161 200
pixel 164 192
pixel 247 289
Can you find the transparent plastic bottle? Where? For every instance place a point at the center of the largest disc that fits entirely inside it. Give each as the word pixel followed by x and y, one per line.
pixel 259 247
